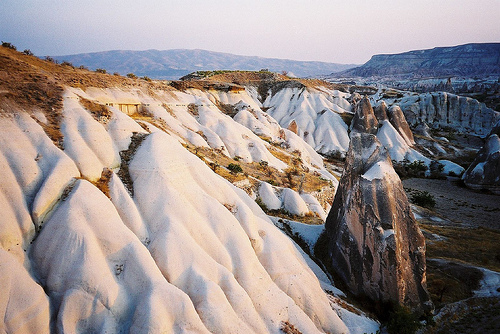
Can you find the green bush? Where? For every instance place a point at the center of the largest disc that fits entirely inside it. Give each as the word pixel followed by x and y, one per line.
pixel 436 170
pixel 417 167
pixel 234 168
pixel 423 198
pixel 131 76
pixel 272 182
pixel 402 321
pixel 28 52
pixel 100 70
pixel 406 169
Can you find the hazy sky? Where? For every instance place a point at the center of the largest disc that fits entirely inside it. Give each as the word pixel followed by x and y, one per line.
pixel 334 31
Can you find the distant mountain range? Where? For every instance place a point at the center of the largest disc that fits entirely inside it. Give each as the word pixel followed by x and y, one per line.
pixel 478 59
pixel 173 64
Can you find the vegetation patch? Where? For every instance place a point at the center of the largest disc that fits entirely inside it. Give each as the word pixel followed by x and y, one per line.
pixel 126 157
pixel 476 246
pixel 422 198
pixel 310 218
pixel 103 183
pixel 100 112
pixel 287 328
pixel 235 168
pixel 449 282
pixel 216 160
pixel 402 321
pixel 406 169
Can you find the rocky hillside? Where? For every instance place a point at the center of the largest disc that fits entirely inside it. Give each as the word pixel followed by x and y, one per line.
pixel 137 205
pixel 444 110
pixel 173 64
pixel 122 212
pixel 463 60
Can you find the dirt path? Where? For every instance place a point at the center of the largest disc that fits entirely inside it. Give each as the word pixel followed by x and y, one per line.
pixel 461 205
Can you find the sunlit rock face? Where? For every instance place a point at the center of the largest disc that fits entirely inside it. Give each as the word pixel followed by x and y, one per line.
pixel 364 118
pixel 484 172
pixel 374 244
pixel 381 112
pixel 398 120
pixel 396 117
pixel 167 247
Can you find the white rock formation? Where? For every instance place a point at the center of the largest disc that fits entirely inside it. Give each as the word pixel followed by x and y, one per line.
pixel 442 109
pixel 189 252
pixel 316 115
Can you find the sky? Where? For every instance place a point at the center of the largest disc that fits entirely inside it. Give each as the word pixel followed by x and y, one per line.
pixel 347 32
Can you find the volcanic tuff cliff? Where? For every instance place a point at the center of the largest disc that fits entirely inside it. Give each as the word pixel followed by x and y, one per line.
pixel 467 60
pixel 111 198
pixel 440 109
pixel 114 219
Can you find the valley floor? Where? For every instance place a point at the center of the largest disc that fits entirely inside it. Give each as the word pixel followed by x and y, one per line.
pixel 465 207
pixel 462 234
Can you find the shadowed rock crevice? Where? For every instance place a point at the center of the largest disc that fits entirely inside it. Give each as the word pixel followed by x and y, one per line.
pixel 484 172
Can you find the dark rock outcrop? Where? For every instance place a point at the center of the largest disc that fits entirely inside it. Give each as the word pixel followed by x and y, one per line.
pixel 364 118
pixel 484 172
pixel 374 243
pixel 381 112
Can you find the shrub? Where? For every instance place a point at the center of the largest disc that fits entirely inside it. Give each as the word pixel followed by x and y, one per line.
pixel 272 182
pixel 131 76
pixel 100 70
pixel 234 168
pixel 450 135
pixel 116 74
pixel 67 63
pixel 417 167
pixel 82 67
pixel 262 205
pixel 8 45
pixel 214 166
pixel 28 52
pixel 146 78
pixel 423 198
pixel 436 169
pixel 402 321
pixel 407 169
pixel 52 60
